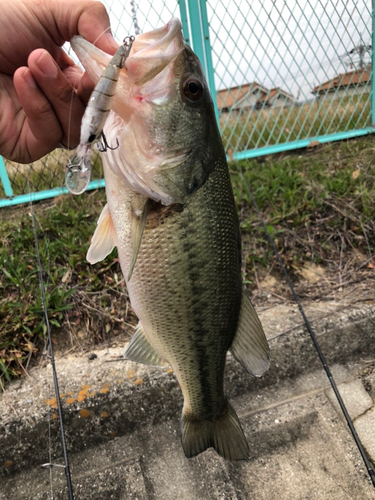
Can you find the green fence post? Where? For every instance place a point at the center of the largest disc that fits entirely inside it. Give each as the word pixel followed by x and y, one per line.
pixel 184 20
pixel 373 67
pixel 5 179
pixel 201 43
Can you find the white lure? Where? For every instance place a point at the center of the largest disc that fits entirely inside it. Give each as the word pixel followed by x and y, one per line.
pixel 79 166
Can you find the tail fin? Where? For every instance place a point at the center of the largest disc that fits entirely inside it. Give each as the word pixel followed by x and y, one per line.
pixel 224 434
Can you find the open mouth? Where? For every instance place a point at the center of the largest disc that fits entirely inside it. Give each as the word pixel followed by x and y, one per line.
pixel 153 51
pixel 147 75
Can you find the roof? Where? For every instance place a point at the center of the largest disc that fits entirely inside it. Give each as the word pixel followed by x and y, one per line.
pixel 274 93
pixel 235 96
pixel 227 97
pixel 345 80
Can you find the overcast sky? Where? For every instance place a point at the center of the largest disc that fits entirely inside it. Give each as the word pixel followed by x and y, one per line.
pixel 292 44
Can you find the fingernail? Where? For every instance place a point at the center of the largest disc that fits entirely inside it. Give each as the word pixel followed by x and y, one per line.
pixel 47 65
pixel 29 79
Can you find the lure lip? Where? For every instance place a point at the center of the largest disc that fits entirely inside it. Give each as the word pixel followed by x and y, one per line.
pixel 78 170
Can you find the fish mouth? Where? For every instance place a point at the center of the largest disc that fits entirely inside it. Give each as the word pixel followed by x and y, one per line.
pixel 146 84
pixel 148 75
pixel 150 65
pixel 150 53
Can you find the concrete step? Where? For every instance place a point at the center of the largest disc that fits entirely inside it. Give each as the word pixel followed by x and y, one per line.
pixel 122 428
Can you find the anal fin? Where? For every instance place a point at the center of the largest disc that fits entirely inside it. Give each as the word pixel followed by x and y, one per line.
pixel 141 351
pixel 250 346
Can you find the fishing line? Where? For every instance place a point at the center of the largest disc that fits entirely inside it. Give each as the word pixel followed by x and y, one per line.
pixel 50 465
pixel 313 338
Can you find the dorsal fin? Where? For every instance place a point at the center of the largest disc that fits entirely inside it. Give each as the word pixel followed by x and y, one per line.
pixel 250 346
pixel 104 239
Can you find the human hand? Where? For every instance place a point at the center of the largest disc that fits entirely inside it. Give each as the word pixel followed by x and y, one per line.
pixel 42 92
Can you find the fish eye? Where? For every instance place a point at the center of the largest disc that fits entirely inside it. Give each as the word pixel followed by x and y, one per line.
pixel 193 89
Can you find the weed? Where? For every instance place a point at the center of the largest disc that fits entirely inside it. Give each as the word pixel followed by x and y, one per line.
pixel 311 201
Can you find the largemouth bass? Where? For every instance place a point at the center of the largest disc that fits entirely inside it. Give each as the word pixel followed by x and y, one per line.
pixel 171 213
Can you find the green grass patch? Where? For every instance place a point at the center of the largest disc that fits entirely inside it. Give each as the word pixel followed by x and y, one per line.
pixel 319 206
pixel 311 202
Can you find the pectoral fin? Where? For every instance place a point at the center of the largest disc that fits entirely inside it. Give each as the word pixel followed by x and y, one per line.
pixel 104 239
pixel 141 351
pixel 250 346
pixel 138 226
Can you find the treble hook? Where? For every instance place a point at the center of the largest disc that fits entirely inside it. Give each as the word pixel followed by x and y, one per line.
pixel 127 44
pixel 103 144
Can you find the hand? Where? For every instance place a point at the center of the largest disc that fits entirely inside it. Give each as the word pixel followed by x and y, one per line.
pixel 42 92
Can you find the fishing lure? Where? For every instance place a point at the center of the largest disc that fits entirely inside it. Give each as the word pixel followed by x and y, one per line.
pixel 78 172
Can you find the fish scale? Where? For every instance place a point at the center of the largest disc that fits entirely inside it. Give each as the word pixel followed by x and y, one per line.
pixel 195 280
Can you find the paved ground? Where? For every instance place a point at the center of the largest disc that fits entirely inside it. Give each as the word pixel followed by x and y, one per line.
pixel 122 422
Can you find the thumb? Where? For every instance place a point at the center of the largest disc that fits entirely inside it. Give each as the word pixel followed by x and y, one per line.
pixel 94 25
pixel 87 18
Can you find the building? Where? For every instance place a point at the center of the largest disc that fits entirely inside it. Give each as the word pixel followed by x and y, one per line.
pixel 252 96
pixel 354 82
pixel 226 98
pixel 276 98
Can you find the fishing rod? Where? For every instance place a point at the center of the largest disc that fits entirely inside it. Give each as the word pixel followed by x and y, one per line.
pixel 51 357
pixel 365 459
pixel 73 184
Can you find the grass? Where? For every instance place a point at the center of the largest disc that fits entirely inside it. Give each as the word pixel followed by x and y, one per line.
pixel 80 297
pixel 319 205
pixel 255 129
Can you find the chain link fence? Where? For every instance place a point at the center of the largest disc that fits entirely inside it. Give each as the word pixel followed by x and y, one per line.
pixel 290 71
pixel 282 74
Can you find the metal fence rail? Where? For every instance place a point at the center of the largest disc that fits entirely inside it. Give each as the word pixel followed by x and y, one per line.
pixel 282 73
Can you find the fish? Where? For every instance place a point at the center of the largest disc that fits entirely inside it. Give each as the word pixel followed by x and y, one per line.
pixel 172 215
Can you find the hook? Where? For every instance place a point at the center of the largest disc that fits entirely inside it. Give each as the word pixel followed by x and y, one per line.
pixel 103 144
